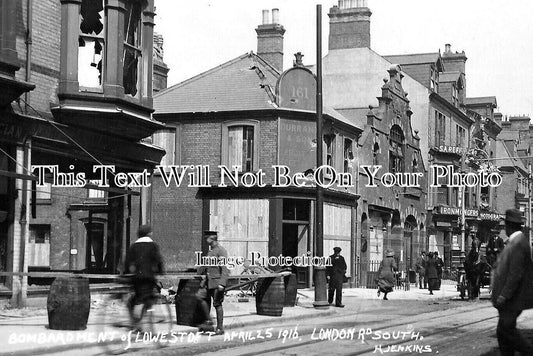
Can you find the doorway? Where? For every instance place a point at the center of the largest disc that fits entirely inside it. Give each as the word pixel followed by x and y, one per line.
pixel 295 235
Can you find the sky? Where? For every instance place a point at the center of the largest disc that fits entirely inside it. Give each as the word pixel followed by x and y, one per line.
pixel 496 35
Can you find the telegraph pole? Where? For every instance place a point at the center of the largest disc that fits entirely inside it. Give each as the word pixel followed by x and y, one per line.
pixel 320 272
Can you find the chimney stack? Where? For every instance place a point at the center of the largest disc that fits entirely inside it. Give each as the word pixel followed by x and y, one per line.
pixel 349 25
pixel 455 62
pixel 270 39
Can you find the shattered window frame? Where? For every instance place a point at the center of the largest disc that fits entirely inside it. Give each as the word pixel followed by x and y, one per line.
pixel 91 34
pixel 132 53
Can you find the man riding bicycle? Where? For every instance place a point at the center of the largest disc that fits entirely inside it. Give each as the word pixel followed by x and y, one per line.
pixel 143 262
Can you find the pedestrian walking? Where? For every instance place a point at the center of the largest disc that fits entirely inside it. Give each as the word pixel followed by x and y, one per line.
pixel 386 279
pixel 215 280
pixel 512 286
pixel 336 275
pixel 439 264
pixel 431 273
pixel 421 270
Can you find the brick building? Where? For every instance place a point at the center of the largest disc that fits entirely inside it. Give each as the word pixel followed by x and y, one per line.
pixel 514 158
pixel 77 92
pixel 247 113
pixel 356 77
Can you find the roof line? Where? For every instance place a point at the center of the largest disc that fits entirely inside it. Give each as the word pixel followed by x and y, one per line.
pixel 203 74
pixel 409 54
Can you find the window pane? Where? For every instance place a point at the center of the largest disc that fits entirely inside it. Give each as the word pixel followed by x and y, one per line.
pixel 90 54
pixel 95 193
pixel 91 43
pixel 235 142
pixel 132 40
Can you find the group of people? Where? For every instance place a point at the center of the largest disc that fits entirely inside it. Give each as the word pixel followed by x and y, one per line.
pixel 429 269
pixel 144 262
pixel 512 279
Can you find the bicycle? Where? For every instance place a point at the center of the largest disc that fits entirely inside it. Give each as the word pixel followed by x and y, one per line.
pixel 151 325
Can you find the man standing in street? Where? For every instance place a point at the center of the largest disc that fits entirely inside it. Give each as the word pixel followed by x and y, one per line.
pixel 512 286
pixel 439 264
pixel 335 275
pixel 421 270
pixel 216 279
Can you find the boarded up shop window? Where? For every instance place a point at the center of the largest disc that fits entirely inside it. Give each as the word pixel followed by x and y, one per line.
pixel 132 47
pixel 91 44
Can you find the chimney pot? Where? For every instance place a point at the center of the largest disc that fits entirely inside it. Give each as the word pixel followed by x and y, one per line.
pixel 266 15
pixel 447 48
pixel 275 16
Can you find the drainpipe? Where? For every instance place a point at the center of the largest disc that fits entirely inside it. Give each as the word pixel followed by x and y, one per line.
pixel 29 20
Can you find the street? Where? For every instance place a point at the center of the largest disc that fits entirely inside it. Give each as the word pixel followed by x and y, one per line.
pixel 399 327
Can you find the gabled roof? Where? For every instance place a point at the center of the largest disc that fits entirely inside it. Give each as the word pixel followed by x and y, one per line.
pixel 481 101
pixel 416 58
pixel 447 77
pixel 244 83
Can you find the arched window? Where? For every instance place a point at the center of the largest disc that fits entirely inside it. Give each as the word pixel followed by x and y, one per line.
pixel 396 150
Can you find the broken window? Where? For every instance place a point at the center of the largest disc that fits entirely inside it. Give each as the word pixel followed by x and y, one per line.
pixel 91 44
pixel 132 47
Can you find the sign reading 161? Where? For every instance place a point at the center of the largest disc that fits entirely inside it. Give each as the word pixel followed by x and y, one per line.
pixel 299 92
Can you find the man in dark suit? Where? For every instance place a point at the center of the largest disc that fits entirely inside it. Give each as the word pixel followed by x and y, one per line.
pixel 335 275
pixel 439 264
pixel 143 261
pixel 216 278
pixel 512 286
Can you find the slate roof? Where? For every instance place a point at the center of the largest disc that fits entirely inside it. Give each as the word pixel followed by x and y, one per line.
pixel 416 58
pixel 481 100
pixel 243 83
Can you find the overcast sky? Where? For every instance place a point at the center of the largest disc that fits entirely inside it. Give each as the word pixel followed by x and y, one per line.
pixel 496 35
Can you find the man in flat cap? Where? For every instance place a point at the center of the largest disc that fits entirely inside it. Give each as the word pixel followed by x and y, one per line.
pixel 336 275
pixel 512 286
pixel 216 279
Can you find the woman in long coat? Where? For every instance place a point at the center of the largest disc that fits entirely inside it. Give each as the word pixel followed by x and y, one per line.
pixel 431 273
pixel 386 278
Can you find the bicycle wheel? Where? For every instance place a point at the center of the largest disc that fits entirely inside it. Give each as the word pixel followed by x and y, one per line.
pixel 150 327
pixel 158 321
pixel 115 324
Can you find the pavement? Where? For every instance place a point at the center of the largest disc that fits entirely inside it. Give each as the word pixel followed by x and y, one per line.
pixel 26 332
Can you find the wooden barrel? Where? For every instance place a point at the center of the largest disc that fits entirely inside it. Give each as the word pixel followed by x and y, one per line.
pixel 291 290
pixel 270 296
pixel 68 304
pixel 188 311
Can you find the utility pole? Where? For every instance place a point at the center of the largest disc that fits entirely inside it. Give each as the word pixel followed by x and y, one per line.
pixel 320 272
pixel 529 215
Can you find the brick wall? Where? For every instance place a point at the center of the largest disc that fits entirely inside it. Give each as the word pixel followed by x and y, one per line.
pixel 46 29
pixel 177 211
